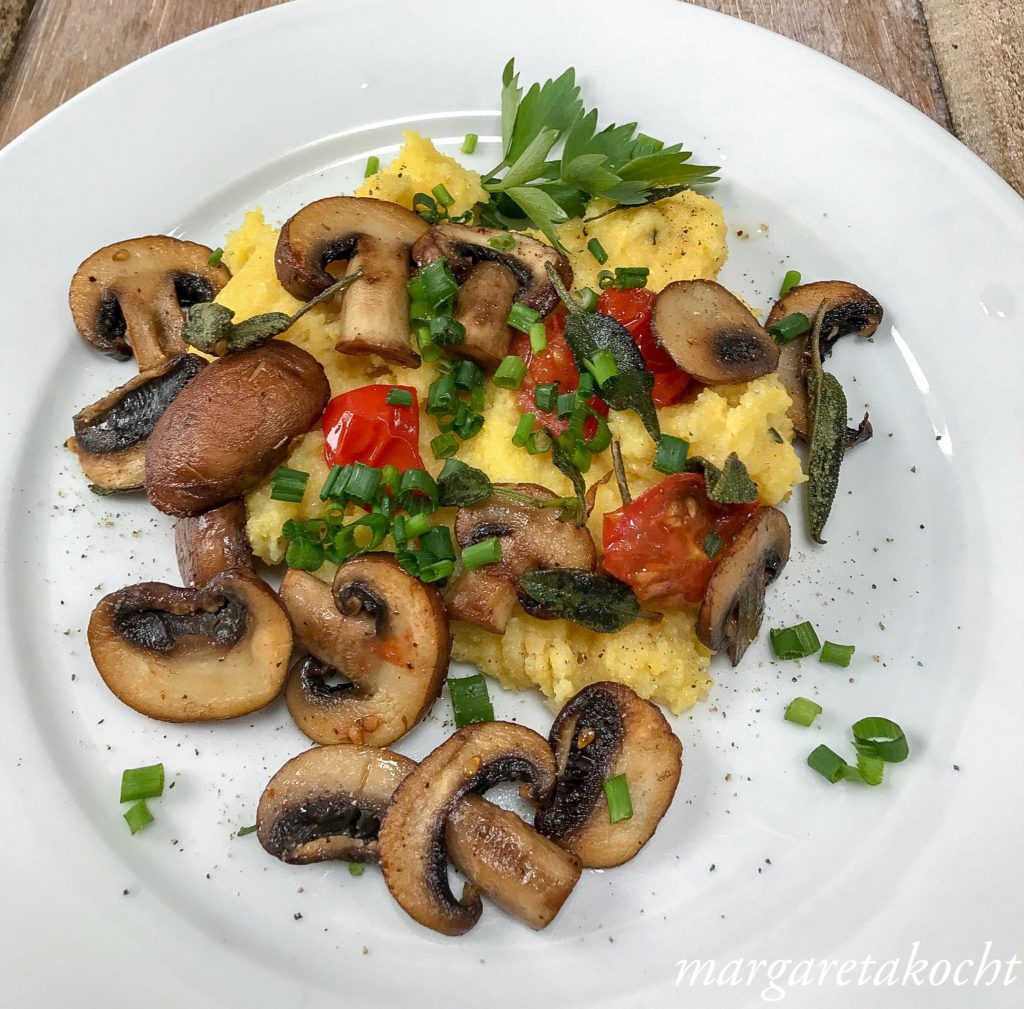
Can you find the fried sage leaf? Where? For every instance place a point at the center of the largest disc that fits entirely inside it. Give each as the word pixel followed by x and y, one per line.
pixel 566 466
pixel 600 603
pixel 463 486
pixel 729 485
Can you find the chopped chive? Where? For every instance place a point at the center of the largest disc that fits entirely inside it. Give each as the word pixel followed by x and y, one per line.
pixel 602 366
pixel 346 544
pixel 242 831
pixel 795 642
pixel 417 525
pixel 398 397
pixel 712 544
pixel 602 436
pixel 441 397
pixel 827 763
pixel 215 257
pixel 791 280
pixel 485 552
pixel 789 328
pixel 881 737
pixel 545 396
pixel 437 541
pixel 364 482
pixel 469 143
pixel 538 337
pixel 470 426
pixel 138 816
pixel 510 373
pixel 416 488
pixel 444 445
pixel 522 317
pixel 142 782
pixel 870 767
pixel 605 279
pixel 441 194
pixel 356 868
pixel 426 207
pixel 330 487
pixel 502 243
pixel 616 791
pixel 588 299
pixel 288 484
pixel 670 455
pixel 586 385
pixel 802 710
pixel 436 571
pixel 467 375
pixel 390 479
pixel 566 404
pixel 597 251
pixel 470 700
pixel 478 397
pixel 631 276
pixel 451 467
pixel 304 555
pixel 837 655
pixel 372 166
pixel 446 331
pixel 523 430
pixel 438 283
pixel 538 443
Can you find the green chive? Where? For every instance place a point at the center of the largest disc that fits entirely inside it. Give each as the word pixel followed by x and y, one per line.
pixel 794 642
pixel 444 445
pixel 416 526
pixel 469 144
pixel 566 404
pixel 712 544
pixel 602 366
pixel 398 397
pixel 586 385
pixel 441 397
pixel 470 426
pixel 602 436
pixel 881 737
pixel 304 555
pixel 437 283
pixel 142 782
pixel 522 317
pixel 836 655
pixel 538 337
pixel 545 396
pixel 138 816
pixel 791 280
pixel 417 486
pixel 288 484
pixel 356 868
pixel 523 430
pixel 242 831
pixel 802 710
pixel 446 331
pixel 437 541
pixel 364 482
pixel 827 763
pixel 870 767
pixel 605 279
pixel 437 571
pixel 616 791
pixel 597 251
pixel 538 443
pixel 372 166
pixel 334 485
pixel 426 207
pixel 390 479
pixel 470 700
pixel 215 257
pixel 485 552
pixel 346 543
pixel 510 373
pixel 441 194
pixel 670 455
pixel 788 329
pixel 588 299
pixel 631 276
pixel 502 243
pixel 467 375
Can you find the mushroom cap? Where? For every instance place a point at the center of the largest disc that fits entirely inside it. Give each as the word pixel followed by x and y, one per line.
pixel 531 538
pixel 463 246
pixel 188 655
pixel 130 297
pixel 710 333
pixel 327 803
pixel 413 855
pixel 733 604
pixel 232 425
pixel 850 310
pixel 213 542
pixel 381 629
pixel 622 734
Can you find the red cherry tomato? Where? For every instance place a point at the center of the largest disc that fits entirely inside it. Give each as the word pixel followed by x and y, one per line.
pixel 553 364
pixel 633 308
pixel 361 426
pixel 656 543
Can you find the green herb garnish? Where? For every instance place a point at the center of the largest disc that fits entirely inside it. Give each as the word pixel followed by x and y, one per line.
pixel 729 485
pixel 601 603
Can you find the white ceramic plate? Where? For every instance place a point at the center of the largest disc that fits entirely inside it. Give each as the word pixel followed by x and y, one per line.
pixel 758 857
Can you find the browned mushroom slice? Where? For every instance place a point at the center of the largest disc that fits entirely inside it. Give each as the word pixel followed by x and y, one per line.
pixel 850 309
pixel 492 279
pixel 232 426
pixel 327 803
pixel 110 434
pixel 604 731
pixel 412 836
pixel 213 542
pixel 710 333
pixel 384 632
pixel 130 297
pixel 733 605
pixel 187 655
pixel 531 538
pixel 370 235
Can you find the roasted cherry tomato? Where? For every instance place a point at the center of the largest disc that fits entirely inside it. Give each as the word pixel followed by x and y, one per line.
pixel 633 308
pixel 656 543
pixel 361 426
pixel 553 364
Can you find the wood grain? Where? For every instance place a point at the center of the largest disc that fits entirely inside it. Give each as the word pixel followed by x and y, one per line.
pixel 66 45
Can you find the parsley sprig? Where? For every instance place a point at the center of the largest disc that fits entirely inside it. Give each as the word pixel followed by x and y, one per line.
pixel 615 163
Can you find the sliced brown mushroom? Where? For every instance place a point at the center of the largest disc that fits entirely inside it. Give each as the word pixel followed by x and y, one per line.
pixel 379 629
pixel 413 855
pixel 604 731
pixel 232 426
pixel 130 298
pixel 370 235
pixel 850 309
pixel 327 803
pixel 187 655
pixel 213 542
pixel 492 279
pixel 110 434
pixel 733 605
pixel 531 538
pixel 710 333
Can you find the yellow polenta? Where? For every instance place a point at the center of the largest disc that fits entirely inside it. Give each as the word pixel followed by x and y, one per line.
pixel 680 238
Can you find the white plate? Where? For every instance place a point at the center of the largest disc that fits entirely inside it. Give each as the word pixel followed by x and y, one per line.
pixel 921 571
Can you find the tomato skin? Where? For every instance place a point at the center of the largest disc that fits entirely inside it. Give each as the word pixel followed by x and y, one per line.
pixel 360 426
pixel 632 308
pixel 655 544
